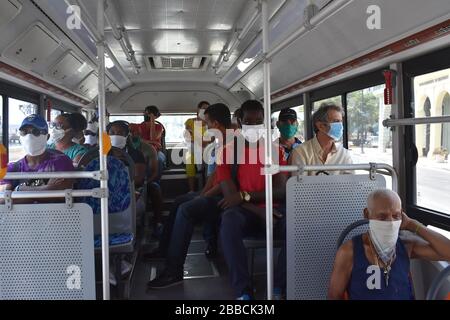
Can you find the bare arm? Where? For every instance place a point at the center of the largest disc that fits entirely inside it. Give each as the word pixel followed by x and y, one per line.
pixel 437 247
pixel 342 269
pixel 279 190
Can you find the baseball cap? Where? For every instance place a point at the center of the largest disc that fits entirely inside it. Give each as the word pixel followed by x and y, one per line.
pixel 287 114
pixel 35 121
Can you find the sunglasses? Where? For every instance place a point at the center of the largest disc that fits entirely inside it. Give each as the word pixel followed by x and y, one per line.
pixel 35 132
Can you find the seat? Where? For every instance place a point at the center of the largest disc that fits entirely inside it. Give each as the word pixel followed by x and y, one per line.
pixel 315 223
pixel 434 290
pixel 361 224
pixel 47 252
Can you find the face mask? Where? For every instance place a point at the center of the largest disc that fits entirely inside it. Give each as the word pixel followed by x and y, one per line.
pixel 288 131
pixel 118 141
pixel 91 140
pixel 253 133
pixel 384 235
pixel 201 114
pixel 57 135
pixel 32 145
pixel 146 117
pixel 336 130
pixel 136 141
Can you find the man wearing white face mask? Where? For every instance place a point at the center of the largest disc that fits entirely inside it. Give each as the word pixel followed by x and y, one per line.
pixel 33 138
pixel 91 134
pixel 119 133
pixel 375 265
pixel 322 149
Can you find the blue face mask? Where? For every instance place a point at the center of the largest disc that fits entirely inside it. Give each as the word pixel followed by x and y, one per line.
pixel 336 130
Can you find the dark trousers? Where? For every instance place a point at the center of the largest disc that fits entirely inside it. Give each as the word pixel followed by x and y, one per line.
pixel 238 224
pixel 187 214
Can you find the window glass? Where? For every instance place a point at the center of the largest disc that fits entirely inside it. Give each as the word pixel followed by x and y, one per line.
pixel 54 113
pixel 333 100
pixel 18 110
pixel 432 99
pixel 1 119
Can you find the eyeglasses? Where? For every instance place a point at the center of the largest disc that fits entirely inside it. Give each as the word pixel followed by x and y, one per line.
pixel 54 125
pixel 35 132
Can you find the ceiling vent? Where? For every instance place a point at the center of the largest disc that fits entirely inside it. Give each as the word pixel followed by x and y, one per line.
pixel 177 62
pixel 9 9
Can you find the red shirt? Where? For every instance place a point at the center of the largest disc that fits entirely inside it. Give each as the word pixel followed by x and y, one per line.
pixel 155 138
pixel 250 169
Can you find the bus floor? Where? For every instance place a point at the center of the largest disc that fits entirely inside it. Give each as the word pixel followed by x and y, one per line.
pixel 204 279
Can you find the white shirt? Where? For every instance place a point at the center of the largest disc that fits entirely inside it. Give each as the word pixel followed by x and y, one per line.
pixel 310 153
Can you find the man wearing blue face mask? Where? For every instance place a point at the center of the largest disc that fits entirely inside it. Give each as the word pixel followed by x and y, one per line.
pixel 322 149
pixel 376 265
pixel 287 124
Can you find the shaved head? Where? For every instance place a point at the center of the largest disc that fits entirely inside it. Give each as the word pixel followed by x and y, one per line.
pixel 383 203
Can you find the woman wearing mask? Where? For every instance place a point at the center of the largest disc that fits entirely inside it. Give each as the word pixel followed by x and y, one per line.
pixel 194 137
pixel 33 138
pixel 63 131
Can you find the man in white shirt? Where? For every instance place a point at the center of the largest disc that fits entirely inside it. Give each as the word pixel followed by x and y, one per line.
pixel 322 149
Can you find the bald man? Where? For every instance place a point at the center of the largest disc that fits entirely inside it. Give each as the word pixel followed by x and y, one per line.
pixel 375 265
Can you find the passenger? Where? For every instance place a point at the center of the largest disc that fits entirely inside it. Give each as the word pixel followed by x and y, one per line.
pixel 63 131
pixel 187 210
pixel 152 133
pixel 119 133
pixel 195 138
pixel 91 135
pixel 243 188
pixel 236 119
pixel 375 265
pixel 153 186
pixel 322 149
pixel 80 125
pixel 33 138
pixel 287 124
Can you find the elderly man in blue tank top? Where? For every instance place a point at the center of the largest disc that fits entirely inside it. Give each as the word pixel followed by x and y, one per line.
pixel 375 265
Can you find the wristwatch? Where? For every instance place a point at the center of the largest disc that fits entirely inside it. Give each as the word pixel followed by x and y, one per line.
pixel 246 196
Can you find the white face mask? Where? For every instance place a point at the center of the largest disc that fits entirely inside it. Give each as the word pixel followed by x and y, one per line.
pixel 91 140
pixel 118 141
pixel 57 135
pixel 77 140
pixel 201 114
pixel 32 145
pixel 253 133
pixel 384 235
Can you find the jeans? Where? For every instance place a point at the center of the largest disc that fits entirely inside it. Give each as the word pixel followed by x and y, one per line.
pixel 161 164
pixel 199 208
pixel 238 224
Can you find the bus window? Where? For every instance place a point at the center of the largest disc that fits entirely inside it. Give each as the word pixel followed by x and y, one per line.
pixel 368 140
pixel 18 110
pixel 432 99
pixel 54 113
pixel 1 119
pixel 174 124
pixel 130 119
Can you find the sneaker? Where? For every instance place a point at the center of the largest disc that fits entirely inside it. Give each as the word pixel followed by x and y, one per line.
pixel 125 267
pixel 245 297
pixel 164 281
pixel 112 279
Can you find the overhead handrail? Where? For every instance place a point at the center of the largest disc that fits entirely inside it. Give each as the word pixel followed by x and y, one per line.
pixel 437 283
pixel 414 121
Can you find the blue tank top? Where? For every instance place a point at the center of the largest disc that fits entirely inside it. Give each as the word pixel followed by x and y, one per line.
pixel 367 282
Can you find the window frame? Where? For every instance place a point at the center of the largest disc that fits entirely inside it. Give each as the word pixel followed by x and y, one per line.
pixel 428 63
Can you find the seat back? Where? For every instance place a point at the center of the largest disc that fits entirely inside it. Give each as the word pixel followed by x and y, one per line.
pixel 47 252
pixel 319 208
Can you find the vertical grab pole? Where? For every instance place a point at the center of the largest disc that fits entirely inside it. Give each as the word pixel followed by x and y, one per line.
pixel 103 161
pixel 268 148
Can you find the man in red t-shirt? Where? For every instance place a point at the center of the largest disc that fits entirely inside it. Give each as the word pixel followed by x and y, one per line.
pixel 243 188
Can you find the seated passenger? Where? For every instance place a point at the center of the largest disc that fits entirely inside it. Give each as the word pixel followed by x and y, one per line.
pixel 119 133
pixel 153 186
pixel 153 133
pixel 62 134
pixel 322 149
pixel 375 265
pixel 91 135
pixel 33 138
pixel 189 209
pixel 80 125
pixel 287 124
pixel 243 187
pixel 193 139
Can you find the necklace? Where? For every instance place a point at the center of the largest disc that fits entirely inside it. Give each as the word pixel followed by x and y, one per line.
pixel 386 266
